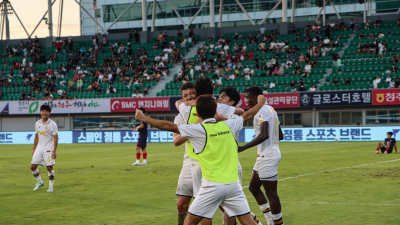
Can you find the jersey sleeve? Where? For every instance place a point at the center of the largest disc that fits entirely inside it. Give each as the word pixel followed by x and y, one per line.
pixel 54 130
pixel 225 109
pixel 179 119
pixel 36 130
pixel 235 123
pixel 196 135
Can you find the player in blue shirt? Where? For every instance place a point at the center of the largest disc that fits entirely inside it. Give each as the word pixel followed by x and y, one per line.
pixel 389 144
pixel 141 144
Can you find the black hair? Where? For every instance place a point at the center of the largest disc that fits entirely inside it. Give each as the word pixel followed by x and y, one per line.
pixel 142 109
pixel 204 86
pixel 187 85
pixel 254 91
pixel 45 107
pixel 390 133
pixel 206 106
pixel 232 93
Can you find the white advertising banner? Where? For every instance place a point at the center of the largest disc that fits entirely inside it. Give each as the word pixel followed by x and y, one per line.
pixel 61 106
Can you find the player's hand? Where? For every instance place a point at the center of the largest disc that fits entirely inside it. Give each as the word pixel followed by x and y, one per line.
pixel 261 99
pixel 191 102
pixel 54 155
pixel 139 115
pixel 240 149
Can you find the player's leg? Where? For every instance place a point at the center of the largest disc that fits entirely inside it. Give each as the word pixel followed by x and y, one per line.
pixel 255 189
pixel 379 145
pixel 197 182
pixel 37 159
pixel 144 154
pixel 193 220
pixel 182 205
pixel 50 172
pixel 138 146
pixel 184 190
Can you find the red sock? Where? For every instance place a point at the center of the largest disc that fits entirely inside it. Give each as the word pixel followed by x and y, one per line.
pixel 144 155
pixel 377 149
pixel 138 156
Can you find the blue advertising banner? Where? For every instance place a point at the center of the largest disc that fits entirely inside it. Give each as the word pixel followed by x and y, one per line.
pixel 335 98
pixel 331 133
pixel 64 137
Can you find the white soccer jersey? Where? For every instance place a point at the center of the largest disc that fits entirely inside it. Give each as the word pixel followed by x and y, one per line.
pixel 179 120
pixel 46 132
pixel 270 147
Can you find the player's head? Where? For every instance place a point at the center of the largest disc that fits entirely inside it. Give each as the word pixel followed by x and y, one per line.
pixel 188 91
pixel 45 111
pixel 389 134
pixel 206 106
pixel 229 96
pixel 251 96
pixel 204 86
pixel 143 110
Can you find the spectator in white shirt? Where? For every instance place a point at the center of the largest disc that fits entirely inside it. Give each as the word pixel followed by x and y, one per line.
pixel 226 47
pixel 388 79
pixel 262 29
pixel 307 69
pixel 101 76
pixel 312 89
pixel 376 82
pixel 272 84
pixel 246 70
pixel 232 76
pixel 59 92
pixel 327 41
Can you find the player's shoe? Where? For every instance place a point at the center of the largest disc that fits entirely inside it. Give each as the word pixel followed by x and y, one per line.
pixel 385 152
pixel 136 164
pixel 377 152
pixel 38 185
pixel 50 189
pixel 143 163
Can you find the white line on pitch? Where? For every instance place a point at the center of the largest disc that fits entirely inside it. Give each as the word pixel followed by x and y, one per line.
pixel 340 168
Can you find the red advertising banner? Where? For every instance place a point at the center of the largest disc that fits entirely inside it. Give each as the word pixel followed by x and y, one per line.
pixel 131 104
pixel 282 100
pixel 386 97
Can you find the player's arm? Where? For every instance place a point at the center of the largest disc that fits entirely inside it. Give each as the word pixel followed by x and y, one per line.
pixel 141 126
pixel 54 154
pixel 35 143
pixel 177 139
pixel 280 133
pixel 178 103
pixel 253 111
pixel 239 111
pixel 264 127
pixel 160 124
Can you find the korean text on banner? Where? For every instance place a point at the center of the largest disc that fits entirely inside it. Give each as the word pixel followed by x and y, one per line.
pixel 335 98
pixel 131 104
pixel 386 97
pixel 282 100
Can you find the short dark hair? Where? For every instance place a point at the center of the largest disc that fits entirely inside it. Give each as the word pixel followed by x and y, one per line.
pixel 206 106
pixel 187 85
pixel 45 107
pixel 232 93
pixel 204 86
pixel 390 133
pixel 143 109
pixel 254 91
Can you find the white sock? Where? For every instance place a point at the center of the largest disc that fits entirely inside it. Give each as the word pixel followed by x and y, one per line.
pixel 36 174
pixel 277 218
pixel 266 211
pixel 137 161
pixel 51 178
pixel 144 160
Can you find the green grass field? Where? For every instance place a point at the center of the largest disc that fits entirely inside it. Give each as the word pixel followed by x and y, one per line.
pixel 321 183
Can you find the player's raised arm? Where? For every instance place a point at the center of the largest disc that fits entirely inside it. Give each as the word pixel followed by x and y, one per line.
pixel 160 124
pixel 253 111
pixel 264 130
pixel 239 111
pixel 178 103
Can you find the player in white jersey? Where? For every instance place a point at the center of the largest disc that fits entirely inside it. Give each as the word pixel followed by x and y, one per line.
pixel 265 172
pixel 44 147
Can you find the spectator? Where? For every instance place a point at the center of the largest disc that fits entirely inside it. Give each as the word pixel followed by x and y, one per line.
pixel 297 69
pixel 388 79
pixel 396 84
pixel 1 94
pixel 307 69
pixel 64 94
pixel 335 82
pixel 23 96
pixel 79 84
pixel 293 29
pixel 71 85
pixel 262 29
pixel 376 82
pixel 398 22
pixel 272 84
pixel 378 23
pixel 312 89
pixel 59 92
pixel 62 82
pixel 347 82
pixel 301 85
pixel 381 35
pixel 46 95
pixel 293 86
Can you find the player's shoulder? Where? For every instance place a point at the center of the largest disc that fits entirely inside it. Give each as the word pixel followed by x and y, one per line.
pixel 52 123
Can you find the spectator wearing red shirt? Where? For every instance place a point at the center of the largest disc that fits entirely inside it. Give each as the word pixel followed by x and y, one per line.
pixel 49 71
pixel 58 45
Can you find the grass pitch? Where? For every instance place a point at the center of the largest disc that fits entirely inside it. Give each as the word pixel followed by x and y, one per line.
pixel 320 183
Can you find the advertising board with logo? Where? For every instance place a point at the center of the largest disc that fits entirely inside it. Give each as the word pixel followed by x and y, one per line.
pixel 64 137
pixel 282 100
pixel 131 104
pixel 4 108
pixel 61 106
pixel 331 133
pixel 386 97
pixel 336 98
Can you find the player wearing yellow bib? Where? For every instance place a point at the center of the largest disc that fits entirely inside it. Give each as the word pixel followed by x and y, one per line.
pixel 265 172
pixel 214 144
pixel 44 147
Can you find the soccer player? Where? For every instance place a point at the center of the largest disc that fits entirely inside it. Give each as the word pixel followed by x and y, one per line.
pixel 214 144
pixel 230 96
pixel 390 143
pixel 142 141
pixel 188 115
pixel 44 147
pixel 265 171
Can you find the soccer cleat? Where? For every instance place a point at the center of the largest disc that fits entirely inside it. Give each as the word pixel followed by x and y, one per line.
pixel 50 189
pixel 136 164
pixel 38 185
pixel 385 152
pixel 377 152
pixel 143 163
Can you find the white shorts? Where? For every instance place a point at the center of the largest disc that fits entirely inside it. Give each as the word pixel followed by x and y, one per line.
pixel 212 194
pixel 185 183
pixel 39 158
pixel 267 169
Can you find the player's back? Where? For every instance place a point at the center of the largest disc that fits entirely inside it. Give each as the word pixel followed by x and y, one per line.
pixel 143 131
pixel 189 113
pixel 270 147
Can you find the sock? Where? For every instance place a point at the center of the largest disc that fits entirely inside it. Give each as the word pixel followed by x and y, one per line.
pixel 145 156
pixel 254 217
pixel 51 178
pixel 181 218
pixel 137 156
pixel 36 174
pixel 266 211
pixel 277 218
pixel 377 149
